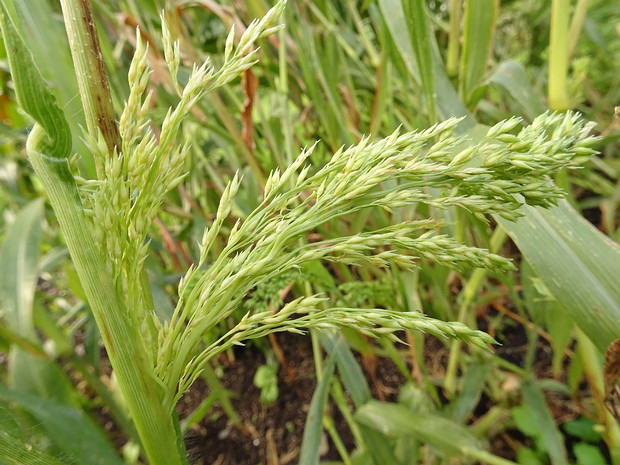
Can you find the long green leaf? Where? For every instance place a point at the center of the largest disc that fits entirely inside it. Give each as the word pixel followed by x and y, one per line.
pixel 549 312
pixel 310 447
pixel 29 370
pixel 19 256
pixel 350 371
pixel 16 451
pixel 511 78
pixel 353 378
pixel 474 381
pixel 446 436
pixel 448 101
pixel 396 420
pixel 579 265
pixel 480 21
pixel 17 446
pixel 420 36
pixel 72 431
pixel 549 433
pixel 42 28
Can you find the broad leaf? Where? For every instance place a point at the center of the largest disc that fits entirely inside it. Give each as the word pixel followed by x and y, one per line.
pixel 578 265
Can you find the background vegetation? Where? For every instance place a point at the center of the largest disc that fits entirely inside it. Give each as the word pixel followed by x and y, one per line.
pixel 338 71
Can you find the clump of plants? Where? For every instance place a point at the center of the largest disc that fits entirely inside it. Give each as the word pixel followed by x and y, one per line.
pixel 106 221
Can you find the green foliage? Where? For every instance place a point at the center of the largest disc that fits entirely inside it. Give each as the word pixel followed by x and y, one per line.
pixel 360 294
pixel 268 293
pixel 362 236
pixel 266 379
pixel 582 428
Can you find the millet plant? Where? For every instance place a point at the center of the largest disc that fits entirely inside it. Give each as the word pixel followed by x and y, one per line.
pixel 106 221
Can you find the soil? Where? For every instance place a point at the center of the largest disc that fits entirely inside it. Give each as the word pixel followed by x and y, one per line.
pixel 266 434
pixel 272 434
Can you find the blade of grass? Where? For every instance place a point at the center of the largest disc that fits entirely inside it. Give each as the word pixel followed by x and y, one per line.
pixel 454 39
pixel 583 273
pixel 544 309
pixel 549 432
pixel 353 379
pixel 320 66
pixel 19 257
pixel 446 436
pixel 419 33
pixel 383 94
pixel 349 370
pixel 17 451
pixel 469 397
pixel 480 21
pixel 510 76
pixel 42 28
pixel 72 431
pixel 311 444
pixel 448 102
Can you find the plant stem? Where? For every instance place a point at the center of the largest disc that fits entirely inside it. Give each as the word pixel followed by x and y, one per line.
pixel 454 39
pixel 90 71
pixel 558 56
pixel 123 340
pixel 469 293
pixel 579 15
pixel 594 375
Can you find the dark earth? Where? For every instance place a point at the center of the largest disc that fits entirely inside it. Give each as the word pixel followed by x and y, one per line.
pixel 272 434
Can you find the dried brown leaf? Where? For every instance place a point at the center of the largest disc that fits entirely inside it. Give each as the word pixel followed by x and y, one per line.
pixel 611 370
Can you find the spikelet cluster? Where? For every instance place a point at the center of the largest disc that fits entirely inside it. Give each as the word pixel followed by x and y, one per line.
pixel 494 175
pixel 124 203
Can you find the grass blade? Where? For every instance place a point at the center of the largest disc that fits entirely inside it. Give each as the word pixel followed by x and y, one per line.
pixel 550 435
pixel 480 21
pixel 19 256
pixel 510 76
pixel 47 40
pixel 448 101
pixel 446 436
pixel 419 34
pixel 311 445
pixel 16 451
pixel 72 431
pixel 469 397
pixel 583 274
pixel 349 370
pixel 353 379
pixel 29 369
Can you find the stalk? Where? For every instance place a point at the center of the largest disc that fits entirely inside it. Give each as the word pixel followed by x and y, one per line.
pixel 122 340
pixel 576 23
pixel 90 71
pixel 454 39
pixel 48 148
pixel 558 55
pixel 594 374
